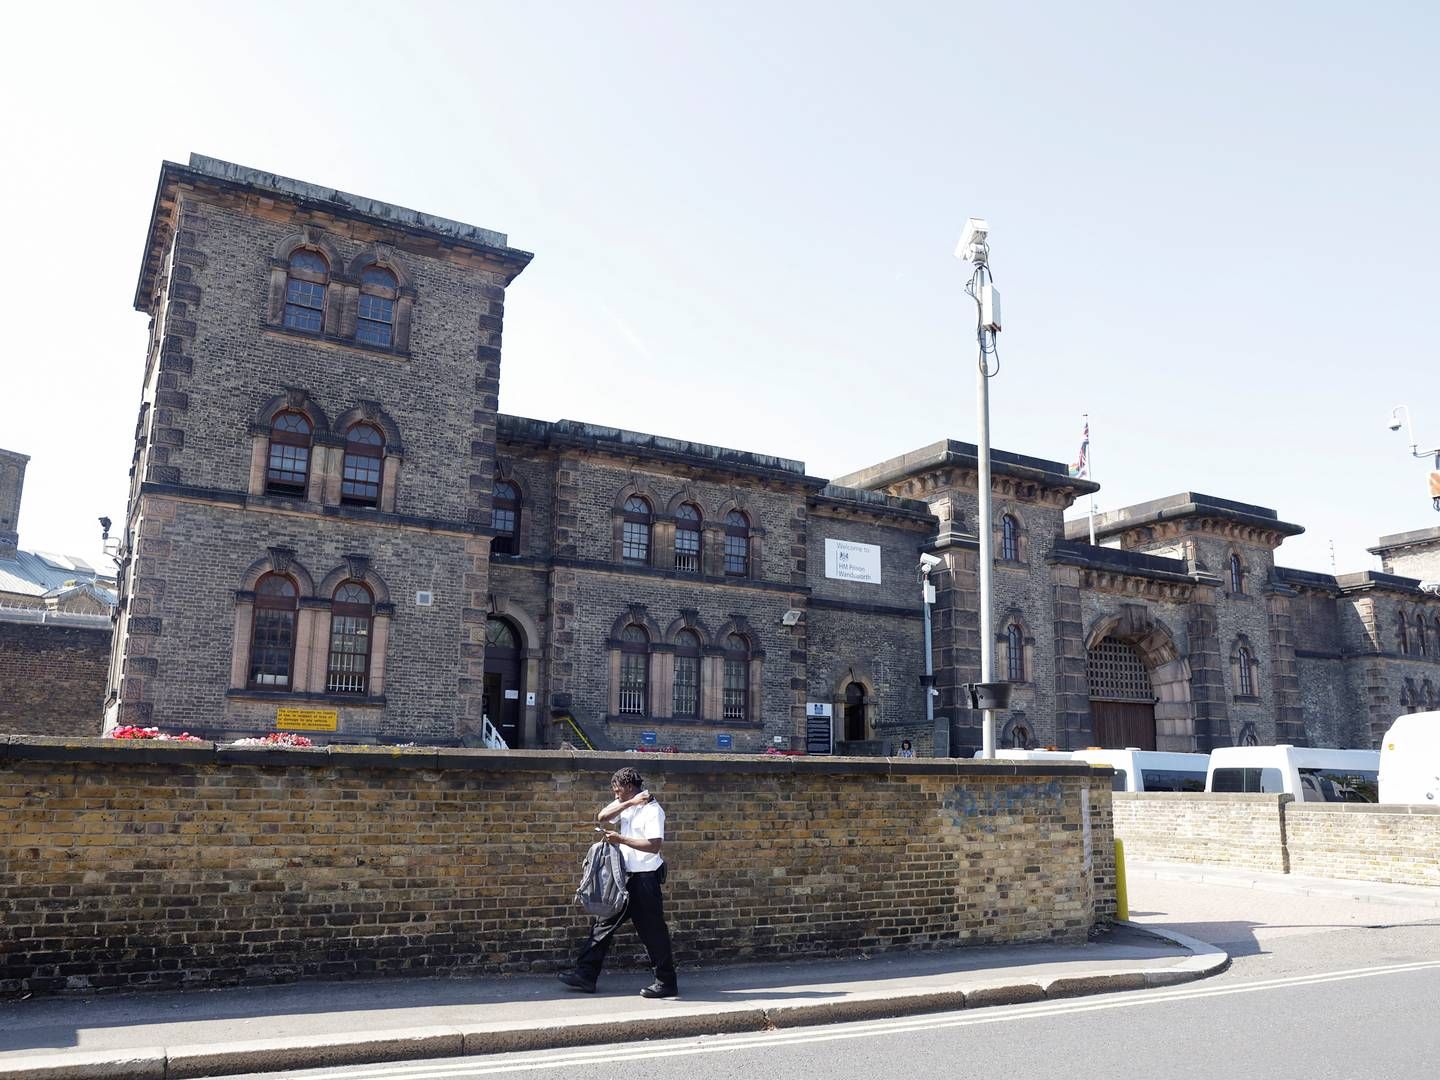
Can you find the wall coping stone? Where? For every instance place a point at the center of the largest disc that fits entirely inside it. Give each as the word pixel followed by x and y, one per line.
pixel 157 752
pixel 1362 808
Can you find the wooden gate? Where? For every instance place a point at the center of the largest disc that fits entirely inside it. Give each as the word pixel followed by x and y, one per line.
pixel 1122 701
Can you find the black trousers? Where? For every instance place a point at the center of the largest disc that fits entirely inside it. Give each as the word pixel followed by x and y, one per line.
pixel 647 911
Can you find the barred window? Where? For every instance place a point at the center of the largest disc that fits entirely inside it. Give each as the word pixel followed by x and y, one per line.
pixel 634 670
pixel 1015 653
pixel 1237 575
pixel 360 476
pixel 305 283
pixel 351 615
pixel 272 634
pixel 288 468
pixel 1244 662
pixel 736 704
pixel 635 537
pixel 686 698
pixel 1404 636
pixel 737 544
pixel 1009 539
pixel 687 539
pixel 505 518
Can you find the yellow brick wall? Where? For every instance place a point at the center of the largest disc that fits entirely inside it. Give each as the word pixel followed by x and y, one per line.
pixel 1374 843
pixel 1244 831
pixel 133 865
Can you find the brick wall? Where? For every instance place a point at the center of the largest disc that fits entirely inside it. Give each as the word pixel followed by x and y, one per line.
pixel 1219 829
pixel 182 865
pixel 52 678
pixel 1374 843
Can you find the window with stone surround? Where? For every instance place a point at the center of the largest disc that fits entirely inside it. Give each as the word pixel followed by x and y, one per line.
pixel 1402 634
pixel 272 634
pixel 737 544
pixel 1237 575
pixel 1422 634
pixel 375 307
pixel 687 539
pixel 305 282
pixel 736 700
pixel 1244 670
pixel 1009 539
pixel 634 671
pixel 351 616
pixel 363 466
pixel 1015 653
pixel 685 702
pixel 505 518
pixel 287 470
pixel 635 536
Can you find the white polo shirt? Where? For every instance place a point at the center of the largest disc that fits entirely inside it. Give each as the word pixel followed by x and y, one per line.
pixel 644 822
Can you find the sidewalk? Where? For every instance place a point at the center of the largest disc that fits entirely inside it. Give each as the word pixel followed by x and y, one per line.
pixel 1370 892
pixel 253 1029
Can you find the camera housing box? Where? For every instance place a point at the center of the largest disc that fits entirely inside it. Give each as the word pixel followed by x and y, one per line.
pixel 990 308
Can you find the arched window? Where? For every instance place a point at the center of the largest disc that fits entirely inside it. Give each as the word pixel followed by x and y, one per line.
pixel 288 468
pixel 360 475
pixel 686 699
pixel 1409 700
pixel 1009 539
pixel 272 634
pixel 375 313
pixel 736 703
pixel 687 539
pixel 634 670
pixel 1422 635
pixel 351 614
pixel 1245 675
pixel 505 518
pixel 635 537
pixel 737 544
pixel 305 291
pixel 1237 575
pixel 855 712
pixel 1404 636
pixel 1015 653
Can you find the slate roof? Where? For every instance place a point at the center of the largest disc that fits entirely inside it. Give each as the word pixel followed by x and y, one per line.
pixel 39 574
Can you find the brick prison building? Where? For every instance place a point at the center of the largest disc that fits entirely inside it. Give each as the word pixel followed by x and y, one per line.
pixel 332 528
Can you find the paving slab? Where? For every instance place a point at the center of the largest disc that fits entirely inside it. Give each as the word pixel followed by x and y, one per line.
pixel 303 1025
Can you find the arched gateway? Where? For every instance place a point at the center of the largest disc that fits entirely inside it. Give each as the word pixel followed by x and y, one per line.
pixel 1139 684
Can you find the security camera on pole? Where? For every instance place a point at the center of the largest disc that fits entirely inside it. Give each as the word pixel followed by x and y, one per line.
pixel 1415 450
pixel 973 248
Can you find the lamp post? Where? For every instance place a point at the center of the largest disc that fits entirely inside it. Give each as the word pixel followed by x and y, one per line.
pixel 974 249
pixel 1415 450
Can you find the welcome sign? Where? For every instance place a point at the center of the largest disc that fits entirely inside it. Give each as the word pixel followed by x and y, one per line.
pixel 847 561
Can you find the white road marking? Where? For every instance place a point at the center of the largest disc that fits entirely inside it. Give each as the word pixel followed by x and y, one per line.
pixel 485 1066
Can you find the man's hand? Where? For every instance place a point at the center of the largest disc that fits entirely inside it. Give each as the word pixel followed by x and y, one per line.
pixel 613 838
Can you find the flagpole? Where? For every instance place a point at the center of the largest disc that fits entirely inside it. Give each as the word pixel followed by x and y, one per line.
pixel 1089 472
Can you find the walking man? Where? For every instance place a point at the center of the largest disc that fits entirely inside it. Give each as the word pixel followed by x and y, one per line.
pixel 640 836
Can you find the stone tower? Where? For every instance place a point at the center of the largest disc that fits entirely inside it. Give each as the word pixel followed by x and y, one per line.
pixel 12 483
pixel 309 522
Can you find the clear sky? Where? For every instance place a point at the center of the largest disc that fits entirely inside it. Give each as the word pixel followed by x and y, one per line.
pixel 1213 228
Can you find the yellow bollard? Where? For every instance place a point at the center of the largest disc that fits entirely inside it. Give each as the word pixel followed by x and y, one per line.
pixel 1122 898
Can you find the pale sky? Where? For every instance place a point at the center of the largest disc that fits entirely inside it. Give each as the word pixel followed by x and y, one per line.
pixel 1213 228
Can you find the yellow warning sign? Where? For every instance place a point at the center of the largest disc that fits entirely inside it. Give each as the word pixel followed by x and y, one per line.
pixel 292 719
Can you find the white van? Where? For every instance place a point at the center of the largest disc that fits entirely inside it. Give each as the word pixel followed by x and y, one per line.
pixel 1030 755
pixel 1410 760
pixel 1150 770
pixel 1307 773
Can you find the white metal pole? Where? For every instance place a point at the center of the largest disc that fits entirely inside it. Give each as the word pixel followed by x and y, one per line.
pixel 985 528
pixel 937 743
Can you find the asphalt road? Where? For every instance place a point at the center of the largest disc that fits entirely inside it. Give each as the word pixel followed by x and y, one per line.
pixel 1317 989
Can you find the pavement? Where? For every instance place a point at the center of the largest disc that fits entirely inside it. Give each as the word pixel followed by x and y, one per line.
pixel 309 1025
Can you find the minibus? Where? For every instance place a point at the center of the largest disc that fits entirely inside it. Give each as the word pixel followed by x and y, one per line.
pixel 1309 774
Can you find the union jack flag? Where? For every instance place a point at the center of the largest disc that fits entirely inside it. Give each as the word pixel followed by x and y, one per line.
pixel 1081 467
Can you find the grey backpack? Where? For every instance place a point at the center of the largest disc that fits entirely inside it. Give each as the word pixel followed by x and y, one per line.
pixel 602 881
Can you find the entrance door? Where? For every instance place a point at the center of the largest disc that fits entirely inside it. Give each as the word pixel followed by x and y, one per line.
pixel 1120 724
pixel 504 680
pixel 1122 700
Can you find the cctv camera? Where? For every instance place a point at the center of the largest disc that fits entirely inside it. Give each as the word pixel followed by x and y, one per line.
pixel 929 562
pixel 1394 424
pixel 972 241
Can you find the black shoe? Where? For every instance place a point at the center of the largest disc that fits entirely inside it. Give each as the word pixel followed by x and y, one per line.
pixel 659 990
pixel 576 981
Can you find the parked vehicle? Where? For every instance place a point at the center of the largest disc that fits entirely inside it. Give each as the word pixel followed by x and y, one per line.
pixel 1410 760
pixel 1031 755
pixel 1309 774
pixel 1150 770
